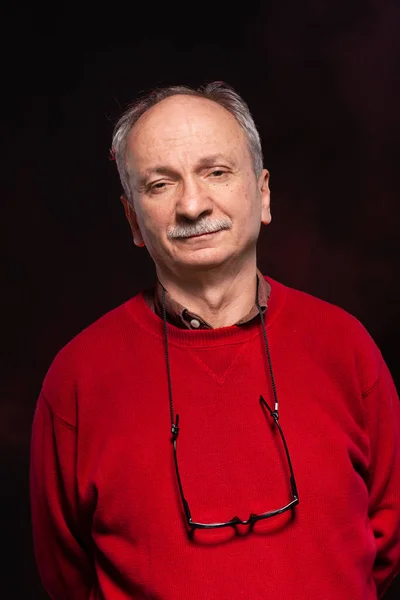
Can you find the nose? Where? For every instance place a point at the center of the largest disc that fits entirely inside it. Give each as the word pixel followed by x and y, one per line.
pixel 194 201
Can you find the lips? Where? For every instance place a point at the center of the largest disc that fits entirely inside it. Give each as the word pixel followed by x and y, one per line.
pixel 203 234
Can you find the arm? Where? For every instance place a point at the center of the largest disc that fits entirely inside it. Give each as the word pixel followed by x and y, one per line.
pixel 64 565
pixel 383 422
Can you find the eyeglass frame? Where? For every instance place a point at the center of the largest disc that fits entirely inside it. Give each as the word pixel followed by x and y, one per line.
pixel 253 518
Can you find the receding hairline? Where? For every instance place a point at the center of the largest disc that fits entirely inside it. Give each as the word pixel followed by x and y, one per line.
pixel 180 98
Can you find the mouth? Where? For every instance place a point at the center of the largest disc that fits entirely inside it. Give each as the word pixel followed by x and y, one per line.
pixel 201 235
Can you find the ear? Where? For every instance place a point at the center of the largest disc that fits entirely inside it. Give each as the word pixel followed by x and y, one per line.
pixel 131 215
pixel 263 186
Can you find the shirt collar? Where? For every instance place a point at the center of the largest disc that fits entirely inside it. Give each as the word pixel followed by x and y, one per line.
pixel 181 317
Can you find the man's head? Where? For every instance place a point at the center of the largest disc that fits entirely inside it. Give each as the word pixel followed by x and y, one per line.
pixel 190 164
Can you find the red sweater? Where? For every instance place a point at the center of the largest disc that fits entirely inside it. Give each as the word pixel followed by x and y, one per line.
pixel 107 517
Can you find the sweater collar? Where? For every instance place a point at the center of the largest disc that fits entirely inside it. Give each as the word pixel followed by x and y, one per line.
pixel 144 316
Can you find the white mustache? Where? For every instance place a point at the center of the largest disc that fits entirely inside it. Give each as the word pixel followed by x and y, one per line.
pixel 199 228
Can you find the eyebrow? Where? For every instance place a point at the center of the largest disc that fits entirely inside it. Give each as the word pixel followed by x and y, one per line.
pixel 207 161
pixel 204 162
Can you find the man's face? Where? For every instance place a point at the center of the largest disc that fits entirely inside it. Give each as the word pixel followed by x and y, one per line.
pixel 196 201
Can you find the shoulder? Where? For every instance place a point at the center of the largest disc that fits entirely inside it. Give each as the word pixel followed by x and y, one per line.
pixel 314 311
pixel 329 329
pixel 96 349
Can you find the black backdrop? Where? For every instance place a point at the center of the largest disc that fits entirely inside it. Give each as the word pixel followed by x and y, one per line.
pixel 323 82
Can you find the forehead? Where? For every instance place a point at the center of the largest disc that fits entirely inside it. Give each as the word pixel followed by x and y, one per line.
pixel 184 125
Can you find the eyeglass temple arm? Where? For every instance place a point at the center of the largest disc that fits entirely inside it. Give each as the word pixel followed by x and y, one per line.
pixel 274 414
pixel 175 433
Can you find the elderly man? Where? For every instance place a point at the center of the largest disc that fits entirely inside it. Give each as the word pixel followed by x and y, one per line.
pixel 220 436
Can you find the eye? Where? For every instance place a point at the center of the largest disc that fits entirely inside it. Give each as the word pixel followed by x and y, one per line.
pixel 157 186
pixel 218 172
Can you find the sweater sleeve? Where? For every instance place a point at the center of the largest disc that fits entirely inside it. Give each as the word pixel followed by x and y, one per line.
pixel 63 562
pixel 383 421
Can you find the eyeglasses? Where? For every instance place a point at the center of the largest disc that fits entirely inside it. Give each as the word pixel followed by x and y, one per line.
pixel 253 518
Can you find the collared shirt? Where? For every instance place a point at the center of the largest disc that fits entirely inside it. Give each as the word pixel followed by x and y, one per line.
pixel 181 317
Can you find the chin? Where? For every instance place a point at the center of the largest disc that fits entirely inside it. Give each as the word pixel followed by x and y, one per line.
pixel 203 260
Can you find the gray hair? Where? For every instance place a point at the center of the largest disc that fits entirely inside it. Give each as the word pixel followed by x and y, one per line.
pixel 218 92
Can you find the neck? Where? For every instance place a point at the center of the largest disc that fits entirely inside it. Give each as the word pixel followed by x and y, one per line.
pixel 219 297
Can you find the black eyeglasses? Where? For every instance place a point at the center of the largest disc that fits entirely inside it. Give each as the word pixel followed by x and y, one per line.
pixel 253 518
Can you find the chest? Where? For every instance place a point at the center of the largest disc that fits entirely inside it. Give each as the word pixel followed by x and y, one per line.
pixel 231 457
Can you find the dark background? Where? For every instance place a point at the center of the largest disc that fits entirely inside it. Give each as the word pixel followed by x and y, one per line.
pixel 323 82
